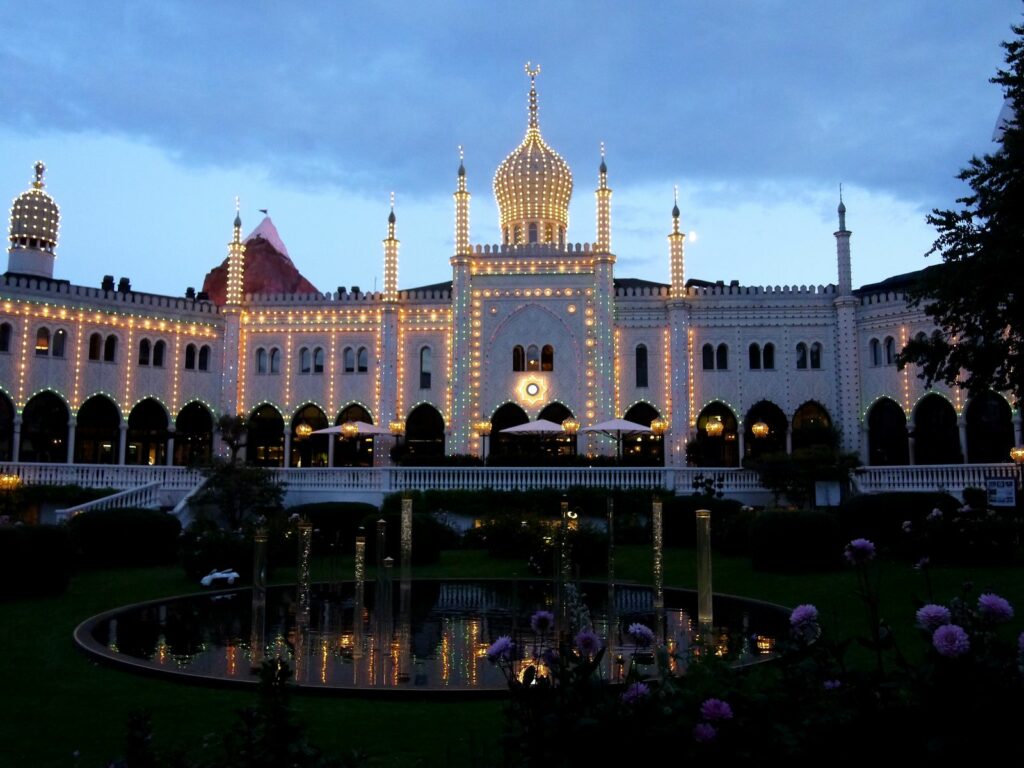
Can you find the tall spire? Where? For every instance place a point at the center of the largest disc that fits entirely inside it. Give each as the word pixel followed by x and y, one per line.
pixel 40 169
pixel 236 262
pixel 462 198
pixel 391 257
pixel 604 209
pixel 676 250
pixel 534 124
pixel 842 210
pixel 843 260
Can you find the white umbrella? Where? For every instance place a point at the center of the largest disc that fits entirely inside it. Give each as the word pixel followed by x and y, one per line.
pixel 617 428
pixel 364 429
pixel 538 427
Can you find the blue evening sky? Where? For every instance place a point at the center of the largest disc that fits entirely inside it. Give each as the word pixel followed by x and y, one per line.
pixel 153 116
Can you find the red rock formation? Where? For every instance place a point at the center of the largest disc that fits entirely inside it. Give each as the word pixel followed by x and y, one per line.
pixel 268 268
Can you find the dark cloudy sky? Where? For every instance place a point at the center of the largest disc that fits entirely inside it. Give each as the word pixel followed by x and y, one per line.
pixel 152 116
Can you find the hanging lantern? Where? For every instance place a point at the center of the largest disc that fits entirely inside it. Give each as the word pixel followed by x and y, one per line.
pixel 397 427
pixel 659 426
pixel 349 430
pixel 714 426
pixel 570 426
pixel 303 430
pixel 760 429
pixel 482 428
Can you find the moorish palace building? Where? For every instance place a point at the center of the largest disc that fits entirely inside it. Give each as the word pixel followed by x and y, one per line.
pixel 535 327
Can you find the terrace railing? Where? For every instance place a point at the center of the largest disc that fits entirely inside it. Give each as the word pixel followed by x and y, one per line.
pixel 145 496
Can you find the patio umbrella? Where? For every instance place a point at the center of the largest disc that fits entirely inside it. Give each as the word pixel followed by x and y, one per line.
pixel 617 428
pixel 365 429
pixel 538 427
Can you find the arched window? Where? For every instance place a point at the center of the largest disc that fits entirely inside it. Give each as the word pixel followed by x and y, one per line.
pixel 60 337
pixel 110 349
pixel 275 360
pixel 95 346
pixel 261 360
pixel 722 357
pixel 921 336
pixel 801 356
pixel 362 360
pixel 425 366
pixel 708 357
pixel 641 365
pixel 43 342
pixel 318 360
pixel 204 357
pixel 504 235
pixel 144 348
pixel 532 358
pixel 158 353
pixel 547 358
pixel 755 357
pixel 348 357
pixel 305 361
pixel 890 350
pixel 190 357
pixel 876 353
pixel 533 233
pixel 768 357
pixel 518 358
pixel 5 337
pixel 816 355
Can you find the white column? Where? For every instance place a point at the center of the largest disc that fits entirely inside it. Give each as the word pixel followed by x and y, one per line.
pixel 122 445
pixel 170 447
pixel 16 447
pixel 287 447
pixel 72 422
pixel 331 440
pixel 961 424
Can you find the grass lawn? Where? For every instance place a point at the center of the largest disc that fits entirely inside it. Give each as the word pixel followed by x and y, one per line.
pixel 56 701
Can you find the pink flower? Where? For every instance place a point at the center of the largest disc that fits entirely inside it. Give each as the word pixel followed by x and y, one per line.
pixel 951 641
pixel 716 709
pixel 704 733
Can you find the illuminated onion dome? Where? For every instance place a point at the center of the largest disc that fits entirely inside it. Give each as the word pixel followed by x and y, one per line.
pixel 35 217
pixel 533 186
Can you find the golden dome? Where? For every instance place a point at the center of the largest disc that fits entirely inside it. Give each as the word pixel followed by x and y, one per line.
pixel 35 217
pixel 533 185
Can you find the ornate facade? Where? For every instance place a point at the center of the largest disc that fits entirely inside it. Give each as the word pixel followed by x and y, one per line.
pixel 534 327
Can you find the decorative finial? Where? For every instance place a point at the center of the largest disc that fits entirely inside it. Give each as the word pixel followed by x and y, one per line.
pixel 238 213
pixel 391 216
pixel 532 72
pixel 462 168
pixel 40 168
pixel 842 210
pixel 675 201
pixel 604 167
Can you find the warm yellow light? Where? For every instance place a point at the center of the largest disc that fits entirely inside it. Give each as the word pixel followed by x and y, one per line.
pixel 760 429
pixel 659 426
pixel 482 427
pixel 714 426
pixel 1017 454
pixel 349 430
pixel 9 482
pixel 570 426
pixel 303 430
pixel 397 427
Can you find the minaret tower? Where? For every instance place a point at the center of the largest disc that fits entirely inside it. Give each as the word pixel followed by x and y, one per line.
pixel 34 225
pixel 461 437
pixel 847 363
pixel 603 194
pixel 236 263
pixel 391 258
pixel 676 252
pixel 389 320
pixel 462 198
pixel 679 345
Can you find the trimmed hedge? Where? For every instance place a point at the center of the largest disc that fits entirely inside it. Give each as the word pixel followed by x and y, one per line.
pixel 730 522
pixel 795 542
pixel 880 516
pixel 125 537
pixel 35 560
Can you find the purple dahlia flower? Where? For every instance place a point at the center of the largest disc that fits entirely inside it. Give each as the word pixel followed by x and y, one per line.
pixel 931 616
pixel 859 551
pixel 951 641
pixel 995 608
pixel 716 709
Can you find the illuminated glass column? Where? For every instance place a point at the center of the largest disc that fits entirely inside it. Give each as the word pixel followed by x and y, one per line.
pixel 259 599
pixel 704 613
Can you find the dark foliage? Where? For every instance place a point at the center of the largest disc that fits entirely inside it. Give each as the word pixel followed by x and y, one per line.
pixel 125 537
pixel 880 516
pixel 35 560
pixel 335 524
pixel 429 537
pixel 795 542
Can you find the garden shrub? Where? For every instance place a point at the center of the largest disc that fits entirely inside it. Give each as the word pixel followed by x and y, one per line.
pixel 429 537
pixel 880 516
pixel 125 537
pixel 335 524
pixel 534 540
pixel 679 521
pixel 35 560
pixel 795 541
pixel 206 547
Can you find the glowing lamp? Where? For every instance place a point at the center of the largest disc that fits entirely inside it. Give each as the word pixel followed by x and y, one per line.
pixel 714 426
pixel 9 482
pixel 303 430
pixel 1016 453
pixel 759 429
pixel 483 428
pixel 570 426
pixel 349 430
pixel 397 427
pixel 659 426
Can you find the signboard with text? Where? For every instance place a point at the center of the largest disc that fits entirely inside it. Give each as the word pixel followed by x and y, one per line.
pixel 1002 491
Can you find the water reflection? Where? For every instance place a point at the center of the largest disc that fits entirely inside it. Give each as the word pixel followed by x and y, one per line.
pixel 427 635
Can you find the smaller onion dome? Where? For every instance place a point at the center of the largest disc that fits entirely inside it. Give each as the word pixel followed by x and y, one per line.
pixel 35 217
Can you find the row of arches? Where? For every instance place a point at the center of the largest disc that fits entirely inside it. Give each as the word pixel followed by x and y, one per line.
pixel 760 357
pixel 934 434
pixel 533 358
pixel 719 441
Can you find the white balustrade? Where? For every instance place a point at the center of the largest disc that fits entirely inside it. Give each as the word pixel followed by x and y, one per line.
pixel 145 496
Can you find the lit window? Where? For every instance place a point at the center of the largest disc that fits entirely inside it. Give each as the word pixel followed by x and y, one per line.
pixel 43 342
pixel 547 358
